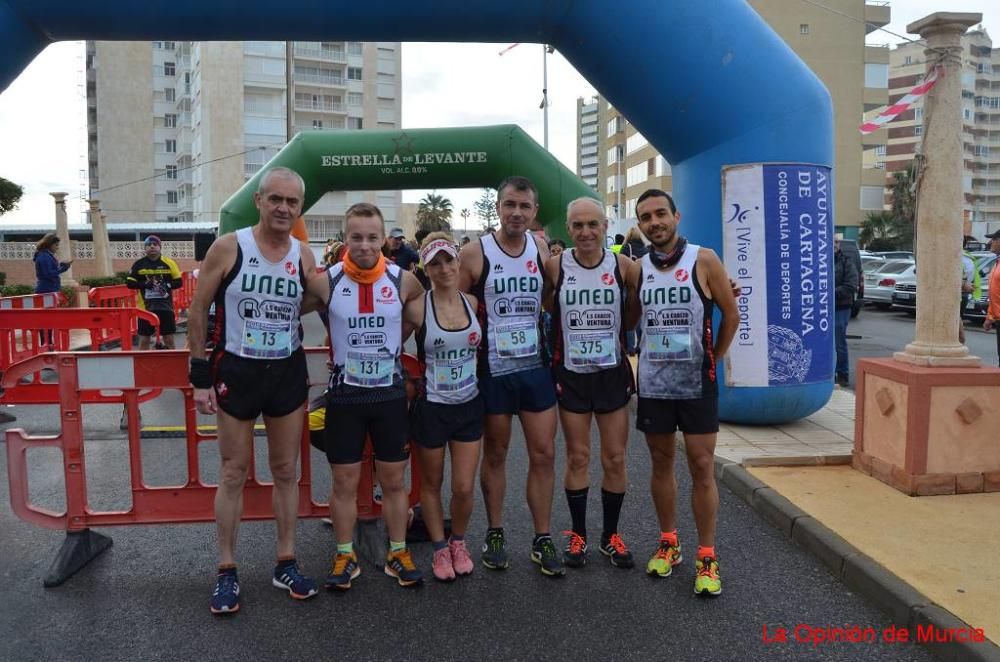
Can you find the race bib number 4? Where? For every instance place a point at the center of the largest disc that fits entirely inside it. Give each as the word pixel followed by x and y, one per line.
pixel 454 374
pixel 592 349
pixel 517 340
pixel 368 370
pixel 266 340
pixel 670 343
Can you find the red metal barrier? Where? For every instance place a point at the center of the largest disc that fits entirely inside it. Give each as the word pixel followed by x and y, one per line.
pixel 50 300
pixel 131 373
pixel 25 334
pixel 184 295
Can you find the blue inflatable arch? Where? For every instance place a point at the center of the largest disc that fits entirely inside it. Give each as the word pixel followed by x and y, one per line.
pixel 708 83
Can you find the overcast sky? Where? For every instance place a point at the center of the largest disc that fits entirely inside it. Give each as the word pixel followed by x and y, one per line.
pixel 43 129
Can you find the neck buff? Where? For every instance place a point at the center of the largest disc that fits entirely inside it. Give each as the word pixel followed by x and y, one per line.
pixel 363 276
pixel 667 260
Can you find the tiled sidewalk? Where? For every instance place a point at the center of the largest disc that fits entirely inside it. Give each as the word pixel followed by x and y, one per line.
pixel 826 437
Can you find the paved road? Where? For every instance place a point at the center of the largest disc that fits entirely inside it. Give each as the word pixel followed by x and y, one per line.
pixel 878 333
pixel 147 596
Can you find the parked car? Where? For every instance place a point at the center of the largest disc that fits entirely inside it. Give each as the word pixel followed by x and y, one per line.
pixel 880 284
pixel 872 263
pixel 850 249
pixel 904 295
pixel 896 255
pixel 975 309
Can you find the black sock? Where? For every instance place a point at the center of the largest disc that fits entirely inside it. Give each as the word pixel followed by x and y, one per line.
pixel 612 502
pixel 494 529
pixel 284 563
pixel 577 500
pixel 538 537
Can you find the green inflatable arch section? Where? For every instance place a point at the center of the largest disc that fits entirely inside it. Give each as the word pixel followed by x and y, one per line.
pixel 466 157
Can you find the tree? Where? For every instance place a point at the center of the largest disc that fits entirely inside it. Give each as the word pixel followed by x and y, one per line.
pixel 881 231
pixel 903 190
pixel 434 213
pixel 486 207
pixel 10 195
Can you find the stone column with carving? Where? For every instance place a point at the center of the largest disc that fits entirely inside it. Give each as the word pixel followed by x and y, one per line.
pixel 65 249
pixel 939 201
pixel 102 248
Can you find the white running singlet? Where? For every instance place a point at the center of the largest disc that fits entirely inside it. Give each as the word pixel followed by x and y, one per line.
pixel 590 306
pixel 257 306
pixel 449 356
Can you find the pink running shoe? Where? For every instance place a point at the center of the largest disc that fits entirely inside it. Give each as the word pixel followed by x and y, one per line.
pixel 443 570
pixel 460 558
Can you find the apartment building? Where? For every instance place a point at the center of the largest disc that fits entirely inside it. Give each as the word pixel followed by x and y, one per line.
pixel 856 74
pixel 588 159
pixel 980 124
pixel 176 127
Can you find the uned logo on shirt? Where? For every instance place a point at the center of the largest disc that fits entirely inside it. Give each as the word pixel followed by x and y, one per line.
pixel 681 275
pixel 607 279
pixel 532 267
pixel 290 268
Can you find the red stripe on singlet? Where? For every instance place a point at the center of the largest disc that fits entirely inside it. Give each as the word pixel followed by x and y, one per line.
pixel 366 299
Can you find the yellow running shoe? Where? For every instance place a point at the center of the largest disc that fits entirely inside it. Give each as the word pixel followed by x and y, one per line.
pixel 706 577
pixel 662 563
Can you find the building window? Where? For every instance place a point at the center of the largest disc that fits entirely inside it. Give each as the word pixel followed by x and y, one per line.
pixel 170 121
pixel 879 150
pixel 918 130
pixel 171 172
pixel 908 60
pixel 353 73
pixel 876 75
pixel 355 48
pixel 168 45
pixel 171 197
pixel 637 174
pixel 317 124
pixel 169 69
pixel 354 98
pixel 803 28
pixel 170 94
pixel 171 146
pixel 616 124
pixel 918 114
pixel 616 153
pixel 171 219
pixel 355 123
pixel 634 142
pixel 967 113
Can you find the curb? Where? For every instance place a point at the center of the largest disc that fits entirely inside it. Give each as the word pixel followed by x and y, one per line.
pixel 862 574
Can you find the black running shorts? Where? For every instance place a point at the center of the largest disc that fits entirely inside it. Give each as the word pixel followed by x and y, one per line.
pixel 246 388
pixel 348 425
pixel 433 424
pixel 594 392
pixel 694 415
pixel 168 325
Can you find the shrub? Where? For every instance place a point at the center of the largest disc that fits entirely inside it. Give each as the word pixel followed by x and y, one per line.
pixel 70 294
pixel 3 278
pixel 16 290
pixel 103 281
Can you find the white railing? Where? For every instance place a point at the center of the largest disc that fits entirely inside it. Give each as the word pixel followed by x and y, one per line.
pixel 328 106
pixel 319 53
pixel 320 79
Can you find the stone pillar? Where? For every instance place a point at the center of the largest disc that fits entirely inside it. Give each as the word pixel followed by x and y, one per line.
pixel 939 201
pixel 102 248
pixel 65 249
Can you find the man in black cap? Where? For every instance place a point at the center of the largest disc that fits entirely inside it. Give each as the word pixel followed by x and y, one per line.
pixel 155 276
pixel 400 252
pixel 993 311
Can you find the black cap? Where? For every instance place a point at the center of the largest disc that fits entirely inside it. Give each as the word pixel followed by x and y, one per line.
pixel 995 235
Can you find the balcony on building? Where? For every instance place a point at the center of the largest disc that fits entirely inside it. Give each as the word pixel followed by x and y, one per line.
pixel 877 15
pixel 320 106
pixel 322 51
pixel 323 80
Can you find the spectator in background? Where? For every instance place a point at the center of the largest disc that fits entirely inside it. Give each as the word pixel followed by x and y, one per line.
pixel 993 311
pixel 619 242
pixel 845 287
pixel 556 247
pixel 634 247
pixel 155 277
pixel 400 252
pixel 47 265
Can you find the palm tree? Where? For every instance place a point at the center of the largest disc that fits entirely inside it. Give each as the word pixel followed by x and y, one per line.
pixel 877 230
pixel 903 190
pixel 434 213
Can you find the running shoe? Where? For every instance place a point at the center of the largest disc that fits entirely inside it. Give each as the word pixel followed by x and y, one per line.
pixel 345 568
pixel 664 559
pixel 461 560
pixel 545 554
pixel 495 551
pixel 706 577
pixel 614 548
pixel 226 597
pixel 575 554
pixel 288 577
pixel 400 565
pixel 444 570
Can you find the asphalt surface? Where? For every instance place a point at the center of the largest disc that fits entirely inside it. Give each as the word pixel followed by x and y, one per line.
pixel 147 597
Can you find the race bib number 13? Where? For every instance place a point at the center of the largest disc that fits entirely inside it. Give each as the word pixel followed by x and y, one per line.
pixel 266 340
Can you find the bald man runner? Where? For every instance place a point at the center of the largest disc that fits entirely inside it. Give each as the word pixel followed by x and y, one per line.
pixel 586 293
pixel 256 277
